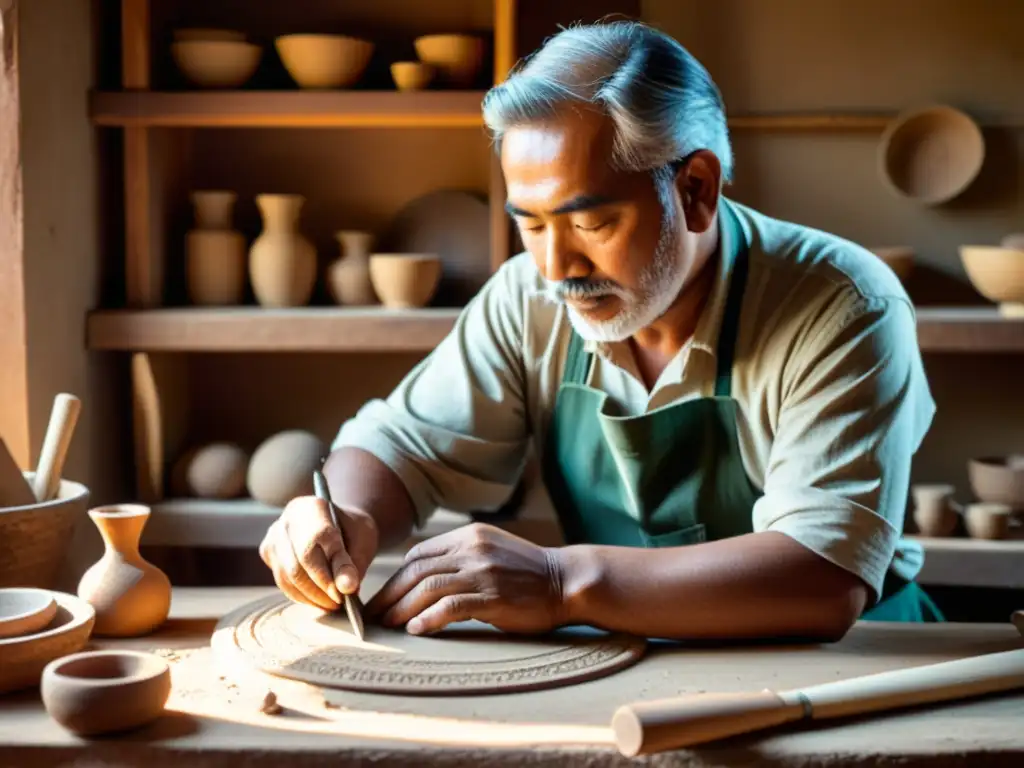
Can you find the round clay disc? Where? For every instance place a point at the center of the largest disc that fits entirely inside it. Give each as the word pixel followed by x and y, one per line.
pixel 295 641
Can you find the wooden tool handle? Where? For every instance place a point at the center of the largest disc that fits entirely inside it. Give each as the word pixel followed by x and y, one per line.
pixel 655 726
pixel 63 419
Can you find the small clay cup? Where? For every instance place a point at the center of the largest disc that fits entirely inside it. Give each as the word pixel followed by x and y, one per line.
pixel 988 520
pixel 98 692
pixel 935 512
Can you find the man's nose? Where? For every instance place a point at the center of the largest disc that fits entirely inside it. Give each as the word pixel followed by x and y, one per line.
pixel 561 259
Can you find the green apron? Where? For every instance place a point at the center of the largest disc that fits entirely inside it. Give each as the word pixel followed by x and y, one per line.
pixel 673 476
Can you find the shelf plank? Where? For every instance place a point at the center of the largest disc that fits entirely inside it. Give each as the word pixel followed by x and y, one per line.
pixel 962 562
pixel 256 329
pixel 287 109
pixel 968 329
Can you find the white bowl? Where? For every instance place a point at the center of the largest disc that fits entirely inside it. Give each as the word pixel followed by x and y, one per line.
pixel 24 610
pixel 216 63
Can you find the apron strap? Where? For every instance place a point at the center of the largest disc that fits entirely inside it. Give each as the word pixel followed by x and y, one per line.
pixel 577 361
pixel 729 330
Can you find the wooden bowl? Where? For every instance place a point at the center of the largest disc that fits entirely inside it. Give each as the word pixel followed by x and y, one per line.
pixel 24 610
pixel 411 75
pixel 405 280
pixel 997 274
pixel 931 155
pixel 899 258
pixel 217 63
pixel 22 659
pixel 324 61
pixel 457 58
pixel 98 692
pixel 998 479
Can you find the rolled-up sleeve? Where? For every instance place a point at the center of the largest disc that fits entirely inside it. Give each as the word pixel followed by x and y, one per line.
pixel 455 430
pixel 855 409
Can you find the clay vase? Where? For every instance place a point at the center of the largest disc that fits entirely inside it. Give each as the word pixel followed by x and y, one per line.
pixel 282 262
pixel 348 277
pixel 131 596
pixel 215 252
pixel 935 511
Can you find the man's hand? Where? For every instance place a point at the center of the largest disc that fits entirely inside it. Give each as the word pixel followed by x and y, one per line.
pixel 311 565
pixel 475 572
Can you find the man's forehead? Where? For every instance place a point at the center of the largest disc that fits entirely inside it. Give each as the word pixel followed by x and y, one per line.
pixel 572 136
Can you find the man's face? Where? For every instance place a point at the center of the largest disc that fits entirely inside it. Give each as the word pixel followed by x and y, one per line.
pixel 610 244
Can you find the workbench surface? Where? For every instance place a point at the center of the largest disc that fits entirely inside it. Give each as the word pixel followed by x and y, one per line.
pixel 214 718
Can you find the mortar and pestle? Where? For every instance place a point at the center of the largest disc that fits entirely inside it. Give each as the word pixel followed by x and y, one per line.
pixel 38 510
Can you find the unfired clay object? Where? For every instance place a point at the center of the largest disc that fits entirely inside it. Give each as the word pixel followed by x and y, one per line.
pixel 281 637
pixel 324 61
pixel 998 479
pixel 935 511
pixel 348 276
pixel 456 58
pixel 405 280
pixel 214 471
pixel 216 63
pixel 411 75
pixel 282 262
pixel 215 252
pixel 281 468
pixel 98 692
pixel 997 274
pixel 131 596
pixel 986 520
pixel 23 658
pixel 24 610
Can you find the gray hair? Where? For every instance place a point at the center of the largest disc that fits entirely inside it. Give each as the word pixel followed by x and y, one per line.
pixel 662 101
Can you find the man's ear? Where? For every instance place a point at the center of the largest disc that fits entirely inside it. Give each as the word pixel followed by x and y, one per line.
pixel 698 182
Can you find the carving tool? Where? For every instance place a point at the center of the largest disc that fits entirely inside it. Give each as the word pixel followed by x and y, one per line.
pixel 654 726
pixel 63 418
pixel 14 488
pixel 352 607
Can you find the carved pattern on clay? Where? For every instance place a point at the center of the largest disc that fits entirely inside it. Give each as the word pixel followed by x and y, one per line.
pixel 261 638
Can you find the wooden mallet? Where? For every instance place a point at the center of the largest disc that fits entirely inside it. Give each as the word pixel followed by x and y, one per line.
pixel 656 726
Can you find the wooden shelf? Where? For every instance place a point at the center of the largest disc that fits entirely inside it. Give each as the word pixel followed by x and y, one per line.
pixel 339 329
pixel 255 329
pixel 962 562
pixel 287 109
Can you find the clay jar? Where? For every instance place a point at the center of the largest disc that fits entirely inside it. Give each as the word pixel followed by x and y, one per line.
pixel 131 596
pixel 348 277
pixel 282 262
pixel 935 511
pixel 215 252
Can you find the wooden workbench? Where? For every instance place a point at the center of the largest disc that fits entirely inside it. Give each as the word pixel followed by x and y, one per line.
pixel 213 716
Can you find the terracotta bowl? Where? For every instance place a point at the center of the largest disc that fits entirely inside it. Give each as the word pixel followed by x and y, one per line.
pixel 411 75
pixel 217 63
pixel 899 258
pixel 22 659
pixel 997 274
pixel 324 61
pixel 931 155
pixel 25 610
pixel 998 480
pixel 100 692
pixel 457 58
pixel 405 280
pixel 209 34
pixel 34 538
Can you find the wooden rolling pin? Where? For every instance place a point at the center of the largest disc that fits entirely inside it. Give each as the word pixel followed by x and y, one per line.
pixel 655 726
pixel 63 419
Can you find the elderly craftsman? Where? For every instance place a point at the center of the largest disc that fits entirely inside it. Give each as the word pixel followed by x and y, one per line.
pixel 724 405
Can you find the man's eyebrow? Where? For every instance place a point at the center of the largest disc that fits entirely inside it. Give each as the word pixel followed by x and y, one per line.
pixel 578 203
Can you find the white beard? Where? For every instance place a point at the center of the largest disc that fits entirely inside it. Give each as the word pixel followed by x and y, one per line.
pixel 660 284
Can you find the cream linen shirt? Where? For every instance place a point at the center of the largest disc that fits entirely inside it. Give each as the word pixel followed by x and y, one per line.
pixel 833 398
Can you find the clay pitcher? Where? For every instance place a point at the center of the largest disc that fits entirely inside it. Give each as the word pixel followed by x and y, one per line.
pixel 215 252
pixel 282 262
pixel 131 596
pixel 348 277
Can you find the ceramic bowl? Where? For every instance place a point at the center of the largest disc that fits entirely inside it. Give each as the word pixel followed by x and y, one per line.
pixel 998 479
pixel 22 659
pixel 209 34
pixel 935 511
pixel 997 274
pixel 931 155
pixel 98 692
pixel 24 610
pixel 324 61
pixel 986 520
pixel 411 75
pixel 899 258
pixel 217 63
pixel 457 58
pixel 405 280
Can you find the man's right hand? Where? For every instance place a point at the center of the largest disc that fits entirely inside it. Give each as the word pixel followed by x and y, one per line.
pixel 306 553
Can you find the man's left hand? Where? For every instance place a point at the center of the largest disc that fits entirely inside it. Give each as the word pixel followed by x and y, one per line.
pixel 475 572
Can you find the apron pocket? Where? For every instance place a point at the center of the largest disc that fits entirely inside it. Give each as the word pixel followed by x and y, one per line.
pixel 694 534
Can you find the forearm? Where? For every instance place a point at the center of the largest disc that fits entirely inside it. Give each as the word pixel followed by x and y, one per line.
pixel 763 585
pixel 360 481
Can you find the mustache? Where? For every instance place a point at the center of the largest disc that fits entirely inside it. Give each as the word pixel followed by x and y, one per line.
pixel 581 288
